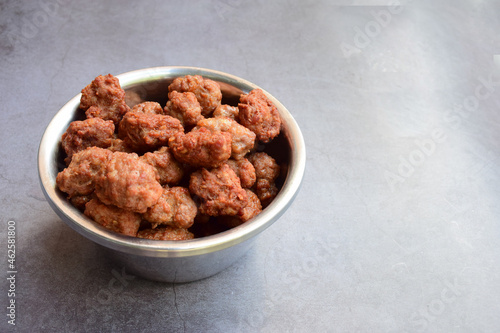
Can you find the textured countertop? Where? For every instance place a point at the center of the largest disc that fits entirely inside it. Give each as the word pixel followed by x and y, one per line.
pixel 397 225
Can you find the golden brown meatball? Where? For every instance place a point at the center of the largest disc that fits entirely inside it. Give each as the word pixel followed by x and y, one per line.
pixel 166 233
pixel 87 133
pixel 113 218
pixel 170 171
pixel 185 107
pixel 124 193
pixel 86 167
pixel 253 208
pixel 242 139
pixel 106 94
pixel 260 115
pixel 79 201
pixel 266 170
pixel 244 170
pixel 128 183
pixel 201 147
pixel 146 132
pixel 148 107
pixel 219 189
pixel 225 110
pixel 207 91
pixel 119 145
pixel 174 208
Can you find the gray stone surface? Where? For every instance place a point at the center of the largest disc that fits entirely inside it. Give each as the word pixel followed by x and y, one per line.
pixel 397 225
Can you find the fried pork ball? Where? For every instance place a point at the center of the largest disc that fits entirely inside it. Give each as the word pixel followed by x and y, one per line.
pixel 242 139
pixel 81 135
pixel 220 191
pixel 166 233
pixel 244 170
pixel 185 107
pixel 260 115
pixel 207 91
pixel 113 218
pixel 80 176
pixel 119 145
pixel 175 208
pixel 128 183
pixel 146 132
pixel 266 170
pixel 225 110
pixel 201 147
pixel 252 209
pixel 169 170
pixel 79 201
pixel 148 107
pixel 193 135
pixel 107 97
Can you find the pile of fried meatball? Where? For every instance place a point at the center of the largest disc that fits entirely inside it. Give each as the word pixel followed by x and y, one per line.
pixel 187 169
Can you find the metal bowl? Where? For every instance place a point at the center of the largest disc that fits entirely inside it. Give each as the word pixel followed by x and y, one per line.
pixel 174 261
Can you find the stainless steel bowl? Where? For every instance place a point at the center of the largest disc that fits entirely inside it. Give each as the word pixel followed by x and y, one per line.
pixel 173 261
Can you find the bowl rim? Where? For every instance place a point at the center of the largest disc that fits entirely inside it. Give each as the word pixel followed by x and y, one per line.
pixel 47 163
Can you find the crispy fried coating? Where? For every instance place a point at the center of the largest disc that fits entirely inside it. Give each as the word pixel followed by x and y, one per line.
pixel 106 94
pixel 219 189
pixel 166 233
pixel 128 183
pixel 185 107
pixel 260 115
pixel 201 147
pixel 119 145
pixel 148 107
pixel 225 110
pixel 206 91
pixel 113 218
pixel 146 132
pixel 266 170
pixel 253 208
pixel 244 170
pixel 170 171
pixel 194 139
pixel 79 201
pixel 175 208
pixel 242 139
pixel 80 176
pixel 87 133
